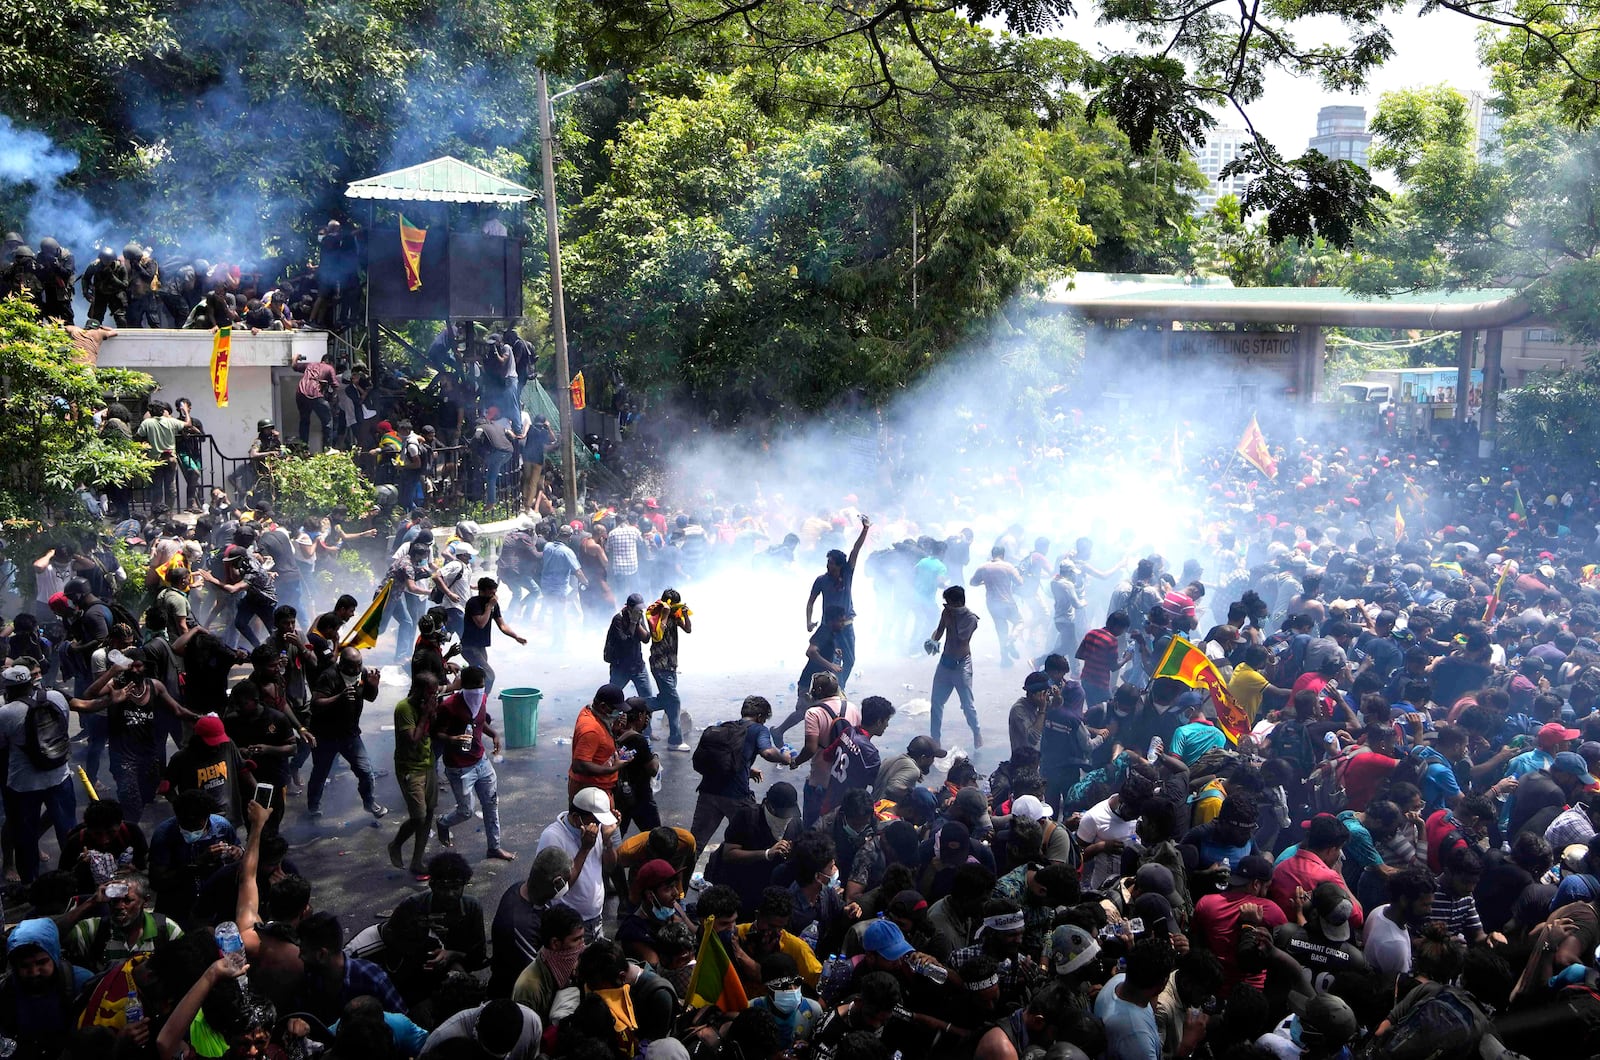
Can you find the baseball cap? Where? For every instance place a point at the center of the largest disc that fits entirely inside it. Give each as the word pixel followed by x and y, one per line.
pixel 955 841
pixel 654 873
pixel 12 676
pixel 1071 947
pixel 1327 1017
pixel 883 937
pixel 1152 878
pixel 783 800
pixel 1154 909
pixel 1252 868
pixel 925 745
pixel 595 801
pixel 1037 681
pixel 634 599
pixel 1031 808
pixel 209 729
pixel 908 903
pixel 610 695
pixel 923 800
pixel 1553 733
pixel 1570 762
pixel 1333 909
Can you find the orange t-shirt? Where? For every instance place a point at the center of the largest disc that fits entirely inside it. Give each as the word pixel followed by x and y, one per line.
pixel 592 742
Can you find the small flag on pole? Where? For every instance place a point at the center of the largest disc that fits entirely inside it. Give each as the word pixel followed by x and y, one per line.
pixel 1399 525
pixel 221 351
pixel 1253 447
pixel 1187 663
pixel 579 393
pixel 411 240
pixel 365 633
pixel 716 981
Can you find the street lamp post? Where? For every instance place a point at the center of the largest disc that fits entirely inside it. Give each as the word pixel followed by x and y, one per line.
pixel 558 310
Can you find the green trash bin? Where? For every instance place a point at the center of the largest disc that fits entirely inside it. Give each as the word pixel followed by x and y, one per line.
pixel 520 706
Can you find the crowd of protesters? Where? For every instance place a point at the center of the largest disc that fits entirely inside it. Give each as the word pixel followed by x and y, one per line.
pixel 1391 853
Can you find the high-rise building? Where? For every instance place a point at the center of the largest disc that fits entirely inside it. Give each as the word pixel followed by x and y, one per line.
pixel 1342 133
pixel 1486 122
pixel 1221 147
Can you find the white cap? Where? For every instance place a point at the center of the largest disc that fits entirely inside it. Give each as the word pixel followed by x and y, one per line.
pixel 1031 808
pixel 461 548
pixel 595 801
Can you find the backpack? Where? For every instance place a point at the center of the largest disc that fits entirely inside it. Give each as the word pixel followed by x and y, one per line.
pixel 855 761
pixel 121 613
pixel 616 645
pixel 1438 1023
pixel 1291 741
pixel 45 736
pixel 1327 785
pixel 720 752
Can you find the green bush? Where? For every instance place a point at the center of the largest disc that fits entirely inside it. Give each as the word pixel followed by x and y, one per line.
pixel 303 485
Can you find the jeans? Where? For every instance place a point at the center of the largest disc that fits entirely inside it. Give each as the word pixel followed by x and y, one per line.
pixel 621 676
pixel 844 642
pixel 1006 620
pixel 813 798
pixel 408 607
pixel 23 809
pixel 667 700
pixel 519 607
pixel 479 657
pixel 479 780
pixel 164 484
pixel 137 770
pixel 955 678
pixel 354 752
pixel 494 465
pixel 322 410
pixel 252 605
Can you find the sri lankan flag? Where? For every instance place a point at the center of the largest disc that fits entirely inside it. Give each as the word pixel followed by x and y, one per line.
pixel 365 633
pixel 1253 447
pixel 1187 663
pixel 579 392
pixel 221 351
pixel 411 240
pixel 1399 525
pixel 715 981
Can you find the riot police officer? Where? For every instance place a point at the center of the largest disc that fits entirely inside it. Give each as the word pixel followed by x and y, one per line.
pixel 105 286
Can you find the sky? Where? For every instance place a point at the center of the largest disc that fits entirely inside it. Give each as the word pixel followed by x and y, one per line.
pixel 1440 47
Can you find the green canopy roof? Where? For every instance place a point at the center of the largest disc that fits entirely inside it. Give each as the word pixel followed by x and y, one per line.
pixel 1444 310
pixel 441 180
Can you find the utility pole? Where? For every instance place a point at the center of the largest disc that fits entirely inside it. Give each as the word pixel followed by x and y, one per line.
pixel 558 311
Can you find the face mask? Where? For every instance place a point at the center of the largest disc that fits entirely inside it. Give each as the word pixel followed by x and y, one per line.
pixel 561 890
pixel 851 833
pixel 474 698
pixel 786 1001
pixel 197 835
pixel 774 822
pixel 833 881
pixel 664 912
pixel 678 977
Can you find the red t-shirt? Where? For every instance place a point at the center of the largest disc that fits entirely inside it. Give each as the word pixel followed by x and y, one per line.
pixel 1216 919
pixel 1363 775
pixel 1436 829
pixel 1306 870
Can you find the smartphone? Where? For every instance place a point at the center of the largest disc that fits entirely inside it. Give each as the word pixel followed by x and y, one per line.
pixel 263 796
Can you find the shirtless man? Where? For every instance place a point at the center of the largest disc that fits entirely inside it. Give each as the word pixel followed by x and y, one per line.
pixel 957 624
pixel 1001 581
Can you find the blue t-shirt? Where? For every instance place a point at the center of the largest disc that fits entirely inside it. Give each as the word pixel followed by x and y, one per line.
pixel 1131 1032
pixel 925 577
pixel 836 593
pixel 1439 784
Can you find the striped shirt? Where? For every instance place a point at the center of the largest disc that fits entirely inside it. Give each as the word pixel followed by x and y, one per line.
pixel 1459 915
pixel 1098 652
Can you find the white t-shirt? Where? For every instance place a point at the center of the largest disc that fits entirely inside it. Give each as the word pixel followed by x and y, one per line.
pixel 1280 1041
pixel 1387 945
pixel 454 576
pixel 586 893
pixel 1101 822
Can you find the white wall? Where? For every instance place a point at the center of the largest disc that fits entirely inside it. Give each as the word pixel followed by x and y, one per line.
pixel 260 382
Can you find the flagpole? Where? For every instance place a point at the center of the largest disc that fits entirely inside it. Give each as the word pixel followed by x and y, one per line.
pixel 558 309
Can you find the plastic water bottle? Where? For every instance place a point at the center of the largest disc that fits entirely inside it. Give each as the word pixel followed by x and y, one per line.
pixel 563 741
pixel 133 1011
pixel 655 781
pixel 835 979
pixel 231 943
pixel 932 970
pixel 8 1048
pixel 697 882
pixel 810 935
